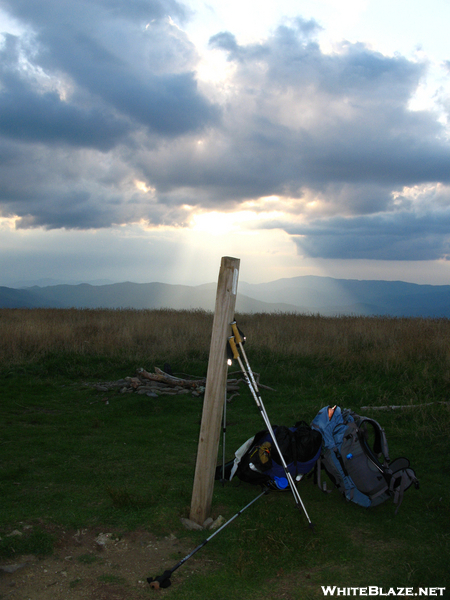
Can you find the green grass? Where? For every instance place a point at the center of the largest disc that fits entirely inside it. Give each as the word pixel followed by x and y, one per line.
pixel 68 459
pixel 33 541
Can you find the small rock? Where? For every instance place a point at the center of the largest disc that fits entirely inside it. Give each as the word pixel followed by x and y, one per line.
pixel 192 525
pixel 207 524
pixel 12 568
pixel 102 539
pixel 15 532
pixel 218 522
pixel 101 388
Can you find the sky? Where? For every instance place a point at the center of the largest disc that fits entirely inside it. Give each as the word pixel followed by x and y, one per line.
pixel 142 140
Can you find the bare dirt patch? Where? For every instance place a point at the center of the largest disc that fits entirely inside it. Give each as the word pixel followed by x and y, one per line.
pixel 93 565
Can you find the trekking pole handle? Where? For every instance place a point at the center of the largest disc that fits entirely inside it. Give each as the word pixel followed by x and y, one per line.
pixel 236 333
pixel 233 347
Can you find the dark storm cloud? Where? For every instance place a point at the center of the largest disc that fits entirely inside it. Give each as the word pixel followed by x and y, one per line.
pixel 396 236
pixel 168 103
pixel 30 116
pixel 102 47
pixel 79 88
pixel 52 10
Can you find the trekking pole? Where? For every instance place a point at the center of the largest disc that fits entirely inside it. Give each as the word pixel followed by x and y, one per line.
pixel 163 581
pixel 224 433
pixel 238 340
pixel 254 389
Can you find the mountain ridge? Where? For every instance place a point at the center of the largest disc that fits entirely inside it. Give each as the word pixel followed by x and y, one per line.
pixel 309 294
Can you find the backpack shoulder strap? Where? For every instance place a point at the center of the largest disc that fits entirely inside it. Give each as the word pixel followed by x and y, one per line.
pixel 380 445
pixel 318 476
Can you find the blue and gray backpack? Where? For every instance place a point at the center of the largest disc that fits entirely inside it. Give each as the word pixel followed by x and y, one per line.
pixel 355 456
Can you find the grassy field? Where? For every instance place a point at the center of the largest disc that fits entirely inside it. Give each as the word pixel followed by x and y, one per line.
pixel 69 460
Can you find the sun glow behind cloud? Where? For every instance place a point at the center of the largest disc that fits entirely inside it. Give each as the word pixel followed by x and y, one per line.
pixel 8 223
pixel 248 219
pixel 143 187
pixel 218 223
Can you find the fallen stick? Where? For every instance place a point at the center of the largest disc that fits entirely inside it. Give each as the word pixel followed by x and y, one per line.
pixel 395 407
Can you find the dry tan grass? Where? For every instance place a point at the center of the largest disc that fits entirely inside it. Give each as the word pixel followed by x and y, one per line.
pixel 388 341
pixel 32 334
pixel 135 334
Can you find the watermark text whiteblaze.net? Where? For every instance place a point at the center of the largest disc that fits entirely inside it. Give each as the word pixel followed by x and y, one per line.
pixel 373 590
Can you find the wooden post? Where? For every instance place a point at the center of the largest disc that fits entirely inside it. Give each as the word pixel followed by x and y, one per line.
pixel 215 391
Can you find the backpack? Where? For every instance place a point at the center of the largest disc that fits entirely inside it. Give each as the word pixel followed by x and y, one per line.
pixel 258 462
pixel 355 456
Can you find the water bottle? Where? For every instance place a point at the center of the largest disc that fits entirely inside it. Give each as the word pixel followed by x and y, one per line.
pixel 281 482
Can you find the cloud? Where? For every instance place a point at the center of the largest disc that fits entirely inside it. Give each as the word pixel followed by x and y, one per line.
pixel 109 56
pixel 303 29
pixel 315 118
pixel 414 226
pixel 404 236
pixel 79 89
pixel 33 115
pixel 103 121
pixel 298 118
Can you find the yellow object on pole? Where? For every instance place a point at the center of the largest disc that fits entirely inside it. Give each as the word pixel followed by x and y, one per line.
pixel 215 391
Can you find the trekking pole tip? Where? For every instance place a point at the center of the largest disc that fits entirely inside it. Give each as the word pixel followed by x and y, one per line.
pixel 163 581
pixel 312 527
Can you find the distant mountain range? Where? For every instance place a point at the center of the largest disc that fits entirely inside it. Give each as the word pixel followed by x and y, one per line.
pixel 308 294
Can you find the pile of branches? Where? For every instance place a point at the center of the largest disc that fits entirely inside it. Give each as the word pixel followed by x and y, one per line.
pixel 161 383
